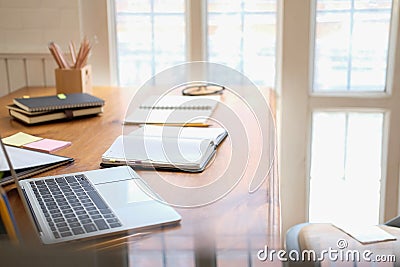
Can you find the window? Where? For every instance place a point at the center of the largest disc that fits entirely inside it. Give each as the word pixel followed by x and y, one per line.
pixel 151 36
pixel 351 45
pixel 340 112
pixel 346 147
pixel 346 170
pixel 242 35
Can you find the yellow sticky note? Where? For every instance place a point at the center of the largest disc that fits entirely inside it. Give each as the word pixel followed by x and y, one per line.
pixel 20 139
pixel 61 96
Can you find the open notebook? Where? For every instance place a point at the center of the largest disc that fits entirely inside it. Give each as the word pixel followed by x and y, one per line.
pixel 173 148
pixel 174 110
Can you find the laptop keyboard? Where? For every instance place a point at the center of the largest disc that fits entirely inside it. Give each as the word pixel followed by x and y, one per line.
pixel 72 206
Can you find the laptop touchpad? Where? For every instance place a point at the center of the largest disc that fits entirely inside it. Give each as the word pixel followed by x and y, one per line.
pixel 121 193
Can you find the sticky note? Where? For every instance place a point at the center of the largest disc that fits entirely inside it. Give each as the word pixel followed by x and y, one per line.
pixel 47 145
pixel 20 139
pixel 61 96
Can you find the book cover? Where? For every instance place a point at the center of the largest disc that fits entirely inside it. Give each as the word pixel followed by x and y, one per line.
pixel 20 110
pixel 54 116
pixel 57 102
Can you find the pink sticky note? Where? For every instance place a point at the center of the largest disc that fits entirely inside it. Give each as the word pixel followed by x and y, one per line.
pixel 47 145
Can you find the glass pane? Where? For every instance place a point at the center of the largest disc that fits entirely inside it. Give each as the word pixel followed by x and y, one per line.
pixel 150 38
pixel 132 6
pixel 223 45
pixel 242 35
pixel 169 6
pixel 224 6
pixel 169 41
pixel 351 45
pixel 345 175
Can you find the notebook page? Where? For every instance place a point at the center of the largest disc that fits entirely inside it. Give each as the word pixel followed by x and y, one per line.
pixel 23 158
pixel 167 150
pixel 214 134
pixel 174 110
pixel 179 101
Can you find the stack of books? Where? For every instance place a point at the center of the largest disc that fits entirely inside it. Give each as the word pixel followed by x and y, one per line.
pixel 35 110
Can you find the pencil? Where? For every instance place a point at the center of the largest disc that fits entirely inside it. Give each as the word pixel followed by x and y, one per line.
pixel 61 55
pixel 73 52
pixel 58 61
pixel 7 217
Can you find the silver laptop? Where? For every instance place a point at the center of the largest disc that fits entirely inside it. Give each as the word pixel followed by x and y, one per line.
pixel 91 203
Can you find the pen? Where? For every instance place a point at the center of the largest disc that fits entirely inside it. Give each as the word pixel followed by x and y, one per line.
pixel 178 124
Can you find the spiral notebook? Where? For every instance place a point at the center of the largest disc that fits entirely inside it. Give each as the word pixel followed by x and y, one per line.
pixel 58 102
pixel 174 110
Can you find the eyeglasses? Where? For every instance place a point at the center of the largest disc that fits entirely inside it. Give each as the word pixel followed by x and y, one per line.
pixel 198 89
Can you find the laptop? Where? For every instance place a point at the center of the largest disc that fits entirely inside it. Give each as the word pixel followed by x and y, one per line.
pixel 90 203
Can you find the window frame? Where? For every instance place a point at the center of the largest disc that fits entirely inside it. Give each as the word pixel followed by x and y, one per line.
pixel 298 101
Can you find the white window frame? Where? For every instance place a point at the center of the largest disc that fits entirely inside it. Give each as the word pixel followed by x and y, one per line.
pixel 196 17
pixel 297 102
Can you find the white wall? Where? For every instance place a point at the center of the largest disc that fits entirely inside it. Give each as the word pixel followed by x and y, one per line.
pixel 94 23
pixel 27 26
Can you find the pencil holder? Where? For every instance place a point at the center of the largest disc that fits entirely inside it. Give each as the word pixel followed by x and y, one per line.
pixel 70 81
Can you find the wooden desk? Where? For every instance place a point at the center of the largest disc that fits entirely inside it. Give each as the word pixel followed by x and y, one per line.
pixel 227 232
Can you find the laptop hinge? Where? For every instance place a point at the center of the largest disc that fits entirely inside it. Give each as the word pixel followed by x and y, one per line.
pixel 31 211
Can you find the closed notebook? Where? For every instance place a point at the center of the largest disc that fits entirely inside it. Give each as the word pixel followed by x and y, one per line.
pixel 174 148
pixel 23 111
pixel 54 115
pixel 58 102
pixel 174 109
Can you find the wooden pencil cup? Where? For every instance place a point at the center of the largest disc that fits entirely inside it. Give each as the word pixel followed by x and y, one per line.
pixel 69 81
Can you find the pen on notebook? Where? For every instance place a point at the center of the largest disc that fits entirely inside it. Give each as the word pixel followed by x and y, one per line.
pixel 177 124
